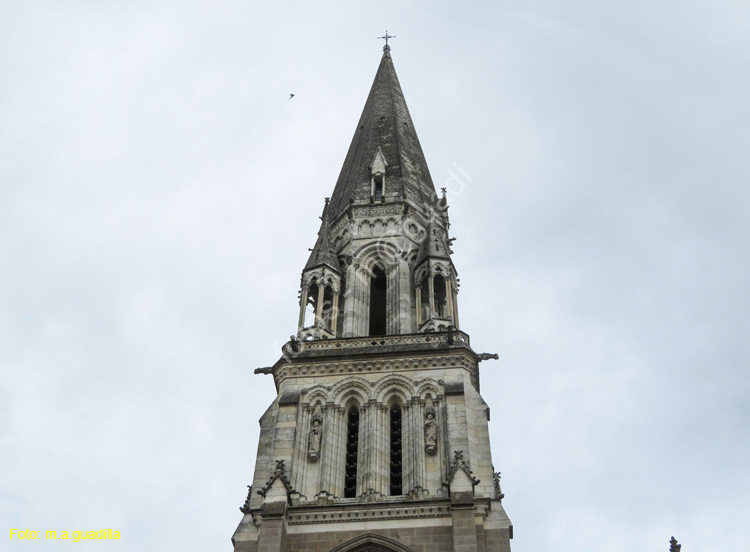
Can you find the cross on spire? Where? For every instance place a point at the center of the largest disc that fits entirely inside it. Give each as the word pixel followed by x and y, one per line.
pixel 386 37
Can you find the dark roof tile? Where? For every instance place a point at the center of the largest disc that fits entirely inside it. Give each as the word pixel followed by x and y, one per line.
pixel 386 124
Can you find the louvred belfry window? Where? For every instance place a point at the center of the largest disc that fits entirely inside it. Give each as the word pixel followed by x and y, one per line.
pixel 378 301
pixel 352 442
pixel 396 487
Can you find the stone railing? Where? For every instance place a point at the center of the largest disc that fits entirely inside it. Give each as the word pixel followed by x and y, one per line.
pixel 448 337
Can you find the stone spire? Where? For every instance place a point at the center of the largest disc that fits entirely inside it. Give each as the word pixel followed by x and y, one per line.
pixel 381 264
pixel 378 438
pixel 385 125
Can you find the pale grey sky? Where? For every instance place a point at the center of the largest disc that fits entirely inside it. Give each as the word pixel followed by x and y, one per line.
pixel 159 192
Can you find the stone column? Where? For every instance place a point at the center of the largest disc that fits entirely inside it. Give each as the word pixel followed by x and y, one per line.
pixel 319 305
pixel 362 452
pixel 390 313
pixel 449 299
pixel 385 437
pixel 303 305
pixel 334 463
pixel 384 450
pixel 443 424
pixel 350 301
pixel 431 288
pixel 363 308
pixel 339 473
pixel 299 456
pixel 407 447
pixel 419 457
pixel 393 307
pixel 326 449
pixel 358 301
pixel 373 445
pixel 418 289
pixel 418 445
pixel 368 447
pixel 455 308
pixel 335 314
pixel 404 300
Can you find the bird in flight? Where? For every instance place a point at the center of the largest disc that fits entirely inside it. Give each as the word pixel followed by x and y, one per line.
pixel 291 96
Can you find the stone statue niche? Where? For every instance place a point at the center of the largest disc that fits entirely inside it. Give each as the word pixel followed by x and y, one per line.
pixel 313 438
pixel 430 429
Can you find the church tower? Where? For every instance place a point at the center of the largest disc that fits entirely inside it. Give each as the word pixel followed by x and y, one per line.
pixel 378 438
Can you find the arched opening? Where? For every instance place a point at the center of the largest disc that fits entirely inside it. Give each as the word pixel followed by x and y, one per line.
pixel 312 305
pixel 441 303
pixel 377 187
pixel 396 474
pixel 370 542
pixel 327 312
pixel 378 284
pixel 352 442
pixel 424 300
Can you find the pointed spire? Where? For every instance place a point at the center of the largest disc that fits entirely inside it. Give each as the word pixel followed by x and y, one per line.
pixel 432 246
pixel 322 253
pixel 385 125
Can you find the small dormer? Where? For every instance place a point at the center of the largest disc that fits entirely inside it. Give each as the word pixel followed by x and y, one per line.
pixel 377 172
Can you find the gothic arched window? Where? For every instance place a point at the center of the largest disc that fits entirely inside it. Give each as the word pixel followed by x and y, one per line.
pixel 377 301
pixel 311 308
pixel 327 311
pixel 378 187
pixel 396 484
pixel 441 305
pixel 424 300
pixel 370 542
pixel 352 442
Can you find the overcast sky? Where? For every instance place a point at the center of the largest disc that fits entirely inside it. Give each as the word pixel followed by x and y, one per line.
pixel 159 193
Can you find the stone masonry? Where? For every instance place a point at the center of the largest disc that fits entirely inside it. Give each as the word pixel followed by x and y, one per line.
pixel 378 438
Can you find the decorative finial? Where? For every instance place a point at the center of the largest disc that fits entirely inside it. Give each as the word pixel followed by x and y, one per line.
pixel 496 481
pixel 673 546
pixel 245 508
pixel 327 200
pixel 386 37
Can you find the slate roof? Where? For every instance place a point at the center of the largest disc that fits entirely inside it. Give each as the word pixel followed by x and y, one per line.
pixel 433 246
pixel 322 253
pixel 385 123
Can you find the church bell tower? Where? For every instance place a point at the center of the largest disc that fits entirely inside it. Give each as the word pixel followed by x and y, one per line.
pixel 378 437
